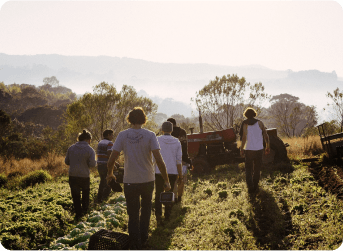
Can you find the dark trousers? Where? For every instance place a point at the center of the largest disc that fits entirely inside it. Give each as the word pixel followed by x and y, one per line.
pixel 104 189
pixel 138 203
pixel 159 183
pixel 80 185
pixel 253 165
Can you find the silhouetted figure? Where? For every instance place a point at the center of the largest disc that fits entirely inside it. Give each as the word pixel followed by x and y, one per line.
pixel 80 157
pixel 253 133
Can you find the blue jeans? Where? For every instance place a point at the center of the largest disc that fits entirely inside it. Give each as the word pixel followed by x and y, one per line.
pixel 78 184
pixel 253 164
pixel 138 202
pixel 104 189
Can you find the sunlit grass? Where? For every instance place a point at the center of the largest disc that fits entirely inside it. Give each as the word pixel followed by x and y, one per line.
pixel 291 212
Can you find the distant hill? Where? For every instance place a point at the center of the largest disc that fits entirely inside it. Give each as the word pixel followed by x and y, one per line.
pixel 174 83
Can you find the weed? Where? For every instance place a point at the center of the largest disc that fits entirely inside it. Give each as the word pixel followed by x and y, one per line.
pixel 222 194
pixel 208 191
pixel 3 180
pixel 35 177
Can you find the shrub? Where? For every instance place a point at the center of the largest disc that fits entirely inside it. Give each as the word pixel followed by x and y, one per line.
pixel 3 180
pixel 222 194
pixel 208 191
pixel 35 177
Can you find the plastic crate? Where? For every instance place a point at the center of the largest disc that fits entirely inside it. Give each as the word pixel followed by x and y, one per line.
pixel 108 240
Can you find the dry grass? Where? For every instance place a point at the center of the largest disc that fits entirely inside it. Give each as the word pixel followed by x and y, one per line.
pixel 300 147
pixel 53 163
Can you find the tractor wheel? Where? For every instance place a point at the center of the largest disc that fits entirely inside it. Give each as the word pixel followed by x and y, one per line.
pixel 201 165
pixel 278 151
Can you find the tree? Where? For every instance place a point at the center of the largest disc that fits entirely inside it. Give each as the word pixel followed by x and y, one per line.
pixel 5 123
pixel 105 108
pixel 223 100
pixel 337 99
pixel 53 81
pixel 290 116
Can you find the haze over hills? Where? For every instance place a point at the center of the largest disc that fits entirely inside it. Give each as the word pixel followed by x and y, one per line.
pixel 169 85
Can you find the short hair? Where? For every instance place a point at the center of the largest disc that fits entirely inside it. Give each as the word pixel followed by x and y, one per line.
pixel 85 135
pixel 172 120
pixel 107 133
pixel 250 113
pixel 136 116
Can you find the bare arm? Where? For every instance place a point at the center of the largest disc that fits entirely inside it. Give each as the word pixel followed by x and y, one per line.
pixel 162 167
pixel 265 136
pixel 244 138
pixel 110 165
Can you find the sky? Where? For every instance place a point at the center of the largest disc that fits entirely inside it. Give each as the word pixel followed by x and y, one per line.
pixel 280 35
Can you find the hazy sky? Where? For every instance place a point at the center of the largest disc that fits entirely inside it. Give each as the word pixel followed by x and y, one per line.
pixel 281 35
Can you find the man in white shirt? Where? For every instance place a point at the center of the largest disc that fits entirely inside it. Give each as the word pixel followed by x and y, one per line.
pixel 172 156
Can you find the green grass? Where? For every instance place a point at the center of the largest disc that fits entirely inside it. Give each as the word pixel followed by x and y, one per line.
pixel 32 217
pixel 291 211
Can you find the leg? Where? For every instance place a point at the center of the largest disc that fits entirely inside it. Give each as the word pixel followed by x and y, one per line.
pixel 132 195
pixel 104 189
pixel 85 186
pixel 168 207
pixel 76 195
pixel 147 190
pixel 249 165
pixel 257 168
pixel 159 182
pixel 182 185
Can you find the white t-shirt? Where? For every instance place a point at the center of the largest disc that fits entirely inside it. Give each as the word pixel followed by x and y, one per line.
pixel 137 145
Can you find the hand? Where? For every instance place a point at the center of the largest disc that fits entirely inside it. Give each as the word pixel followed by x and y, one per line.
pixel 267 151
pixel 167 186
pixel 109 178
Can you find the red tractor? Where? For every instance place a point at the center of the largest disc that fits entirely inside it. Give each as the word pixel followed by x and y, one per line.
pixel 220 147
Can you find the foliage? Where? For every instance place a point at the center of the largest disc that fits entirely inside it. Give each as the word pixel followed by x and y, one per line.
pixel 18 98
pixel 222 101
pixel 53 81
pixel 104 108
pixel 35 177
pixel 3 180
pixel 290 116
pixel 109 216
pixel 337 98
pixel 32 218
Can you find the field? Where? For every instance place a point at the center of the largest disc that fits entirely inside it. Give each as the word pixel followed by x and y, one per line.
pixel 299 206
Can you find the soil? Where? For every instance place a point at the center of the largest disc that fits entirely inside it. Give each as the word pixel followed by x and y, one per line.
pixel 329 177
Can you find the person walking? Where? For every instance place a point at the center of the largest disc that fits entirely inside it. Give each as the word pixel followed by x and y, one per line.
pixel 253 133
pixel 80 157
pixel 172 156
pixel 181 134
pixel 104 151
pixel 137 145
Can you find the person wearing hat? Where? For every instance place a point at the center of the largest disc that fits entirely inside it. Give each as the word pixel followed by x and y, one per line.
pixel 172 156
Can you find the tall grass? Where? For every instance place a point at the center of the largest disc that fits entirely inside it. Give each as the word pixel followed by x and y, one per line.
pixel 303 147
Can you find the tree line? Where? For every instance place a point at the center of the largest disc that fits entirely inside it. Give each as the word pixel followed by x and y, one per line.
pixel 36 121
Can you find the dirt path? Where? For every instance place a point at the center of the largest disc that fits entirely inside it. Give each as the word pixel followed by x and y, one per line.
pixel 329 177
